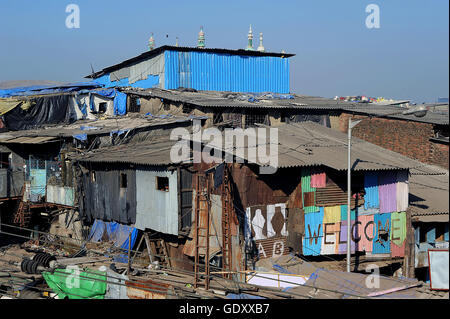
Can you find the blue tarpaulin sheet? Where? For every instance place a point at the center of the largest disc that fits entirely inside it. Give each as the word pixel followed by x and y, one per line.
pixel 118 132
pixel 120 104
pixel 106 93
pixel 115 232
pixel 81 137
pixel 47 89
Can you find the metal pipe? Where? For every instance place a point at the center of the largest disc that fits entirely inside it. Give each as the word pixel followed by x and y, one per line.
pixel 129 254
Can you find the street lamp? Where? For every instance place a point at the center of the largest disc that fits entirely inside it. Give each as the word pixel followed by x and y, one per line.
pixel 419 111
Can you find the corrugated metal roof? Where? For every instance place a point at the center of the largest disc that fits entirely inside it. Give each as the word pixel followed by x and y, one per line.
pixel 385 110
pixel 300 144
pixel 429 217
pixel 241 100
pixel 29 140
pixel 311 144
pixel 151 152
pixel 429 194
pixel 163 48
pixel 95 127
pixel 306 102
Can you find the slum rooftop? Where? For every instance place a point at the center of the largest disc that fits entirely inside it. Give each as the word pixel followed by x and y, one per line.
pixel 217 99
pixel 428 196
pixel 303 144
pixel 107 126
pixel 310 144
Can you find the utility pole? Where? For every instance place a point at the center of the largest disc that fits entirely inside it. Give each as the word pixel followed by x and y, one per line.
pixel 349 189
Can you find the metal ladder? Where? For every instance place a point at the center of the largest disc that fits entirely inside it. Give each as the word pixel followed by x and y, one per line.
pixel 22 216
pixel 227 210
pixel 202 207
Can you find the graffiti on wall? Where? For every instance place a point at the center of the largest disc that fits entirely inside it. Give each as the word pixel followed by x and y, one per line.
pixel 266 225
pixel 266 221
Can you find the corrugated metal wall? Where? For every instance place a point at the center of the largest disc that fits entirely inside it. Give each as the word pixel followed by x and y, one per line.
pixel 156 209
pixel 60 195
pixel 11 183
pixel 223 72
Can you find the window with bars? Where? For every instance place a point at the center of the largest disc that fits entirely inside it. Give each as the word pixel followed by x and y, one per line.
pixel 255 118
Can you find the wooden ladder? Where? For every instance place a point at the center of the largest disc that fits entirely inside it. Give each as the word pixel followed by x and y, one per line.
pixel 158 250
pixel 202 207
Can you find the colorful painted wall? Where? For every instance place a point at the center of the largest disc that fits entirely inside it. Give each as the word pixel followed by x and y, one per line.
pixel 378 224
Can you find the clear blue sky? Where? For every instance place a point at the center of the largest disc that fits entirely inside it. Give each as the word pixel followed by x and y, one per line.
pixel 407 57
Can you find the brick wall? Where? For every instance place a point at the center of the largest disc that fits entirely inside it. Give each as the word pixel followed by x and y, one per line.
pixel 439 154
pixel 408 138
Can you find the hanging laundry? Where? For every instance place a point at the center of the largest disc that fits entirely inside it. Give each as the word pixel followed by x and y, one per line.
pixel 387 191
pixel 402 190
pixel 318 177
pixel 371 199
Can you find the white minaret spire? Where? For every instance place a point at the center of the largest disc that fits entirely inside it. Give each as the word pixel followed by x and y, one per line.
pixel 261 47
pixel 151 43
pixel 250 39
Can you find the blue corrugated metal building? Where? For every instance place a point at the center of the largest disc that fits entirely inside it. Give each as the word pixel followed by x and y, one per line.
pixel 169 67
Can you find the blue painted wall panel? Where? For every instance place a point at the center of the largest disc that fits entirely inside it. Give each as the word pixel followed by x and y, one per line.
pixel 312 241
pixel 222 72
pixel 380 246
pixel 431 236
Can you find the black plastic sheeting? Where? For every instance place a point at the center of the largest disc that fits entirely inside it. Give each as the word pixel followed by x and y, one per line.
pixel 46 110
pixel 104 199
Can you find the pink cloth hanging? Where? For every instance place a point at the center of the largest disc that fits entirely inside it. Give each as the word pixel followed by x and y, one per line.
pixel 318 178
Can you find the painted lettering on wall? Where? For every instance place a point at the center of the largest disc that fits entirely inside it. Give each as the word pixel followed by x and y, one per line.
pixel 376 234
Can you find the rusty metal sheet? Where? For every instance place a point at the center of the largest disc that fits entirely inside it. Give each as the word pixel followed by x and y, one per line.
pixel 262 190
pixel 333 195
pixel 272 247
pixel 296 229
pixel 152 289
